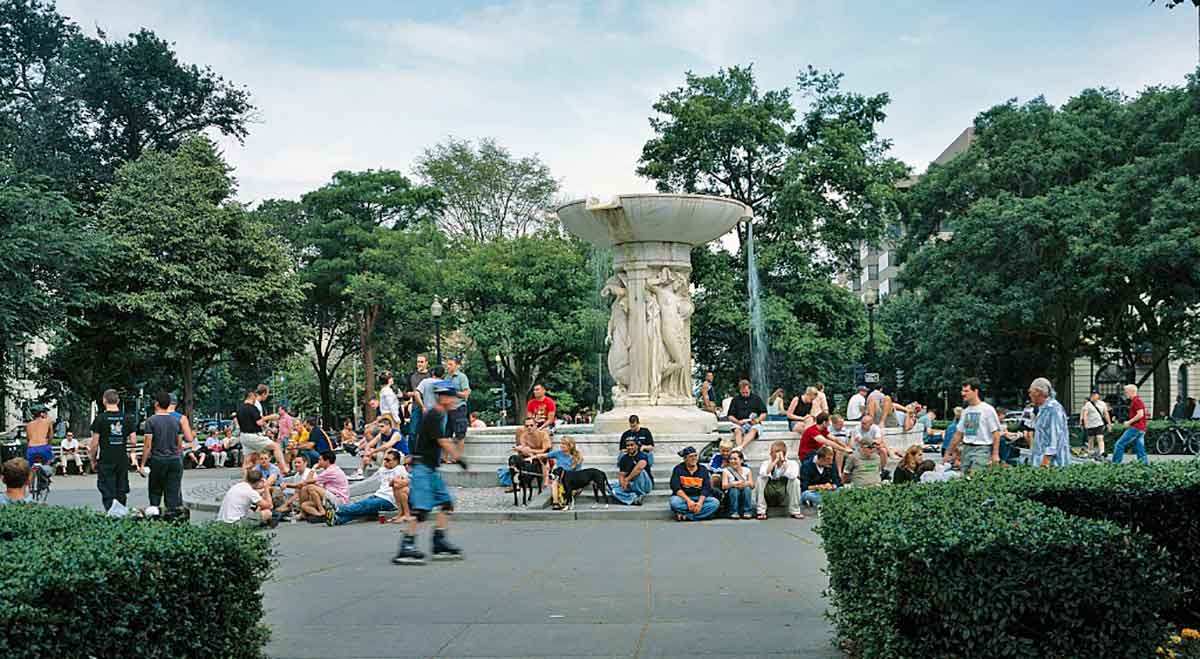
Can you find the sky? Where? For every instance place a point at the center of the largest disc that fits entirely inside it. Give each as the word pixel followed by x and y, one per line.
pixel 371 84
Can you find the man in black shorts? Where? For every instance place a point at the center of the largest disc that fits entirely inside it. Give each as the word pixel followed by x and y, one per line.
pixel 107 451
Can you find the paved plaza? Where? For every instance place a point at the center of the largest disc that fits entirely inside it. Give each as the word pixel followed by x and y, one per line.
pixel 528 589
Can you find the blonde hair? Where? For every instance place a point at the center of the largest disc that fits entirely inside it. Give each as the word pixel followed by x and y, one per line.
pixel 912 457
pixel 569 446
pixel 725 443
pixel 811 391
pixel 779 445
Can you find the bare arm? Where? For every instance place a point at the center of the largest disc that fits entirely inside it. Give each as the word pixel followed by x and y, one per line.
pixel 146 441
pixel 94 449
pixel 187 429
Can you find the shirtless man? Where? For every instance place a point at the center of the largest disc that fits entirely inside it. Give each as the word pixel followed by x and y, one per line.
pixel 532 443
pixel 38 432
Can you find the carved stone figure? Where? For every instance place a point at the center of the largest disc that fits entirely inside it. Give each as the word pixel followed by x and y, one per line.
pixel 618 332
pixel 672 295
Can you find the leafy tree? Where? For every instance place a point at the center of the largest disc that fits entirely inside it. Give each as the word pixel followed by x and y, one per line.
pixel 1073 225
pixel 820 182
pixel 529 300
pixel 487 193
pixel 342 228
pixel 46 259
pixel 196 272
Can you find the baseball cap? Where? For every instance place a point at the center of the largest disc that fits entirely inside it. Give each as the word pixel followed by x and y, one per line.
pixel 863 387
pixel 687 450
pixel 445 387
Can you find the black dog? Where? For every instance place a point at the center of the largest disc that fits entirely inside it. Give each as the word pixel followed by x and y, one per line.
pixel 524 472
pixel 578 480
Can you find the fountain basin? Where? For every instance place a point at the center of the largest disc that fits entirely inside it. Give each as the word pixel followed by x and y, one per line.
pixel 663 218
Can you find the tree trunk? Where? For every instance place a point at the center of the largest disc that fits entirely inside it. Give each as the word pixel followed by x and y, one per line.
pixel 370 317
pixel 189 388
pixel 522 382
pixel 3 388
pixel 325 384
pixel 1064 361
pixel 80 415
pixel 1161 357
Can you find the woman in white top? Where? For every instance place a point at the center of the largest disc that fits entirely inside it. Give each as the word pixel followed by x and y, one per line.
pixel 738 484
pixel 775 404
pixel 1095 420
pixel 389 401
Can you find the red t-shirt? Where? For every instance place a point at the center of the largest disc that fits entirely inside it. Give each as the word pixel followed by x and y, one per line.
pixel 1136 404
pixel 542 411
pixel 808 441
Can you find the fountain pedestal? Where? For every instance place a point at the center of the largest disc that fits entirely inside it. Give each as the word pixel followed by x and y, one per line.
pixel 649 328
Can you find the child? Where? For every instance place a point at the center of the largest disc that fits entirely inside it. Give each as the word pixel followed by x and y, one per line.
pixel 862 467
pixel 738 484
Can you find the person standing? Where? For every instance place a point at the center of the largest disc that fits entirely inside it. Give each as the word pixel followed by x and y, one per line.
pixel 112 432
pixel 542 408
pixel 1136 428
pixel 457 413
pixel 857 405
pixel 37 435
pixel 250 422
pixel 421 372
pixel 389 400
pixel 162 448
pixel 427 490
pixel 286 424
pixel 1051 444
pixel 979 430
pixel 1095 420
pixel 746 413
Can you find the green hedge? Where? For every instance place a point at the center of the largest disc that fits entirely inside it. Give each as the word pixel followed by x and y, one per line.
pixel 76 584
pixel 1015 563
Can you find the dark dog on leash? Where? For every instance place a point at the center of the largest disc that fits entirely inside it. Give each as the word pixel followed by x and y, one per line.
pixel 524 472
pixel 573 481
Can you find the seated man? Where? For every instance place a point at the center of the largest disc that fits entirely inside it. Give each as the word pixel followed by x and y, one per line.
pixel 244 504
pixel 543 409
pixel 214 448
pixel 530 442
pixel 386 438
pixel 818 475
pixel 644 437
pixel 292 484
pixel 325 491
pixel 862 468
pixel 816 436
pixel 16 474
pixel 746 413
pixel 70 453
pixel 691 489
pixel 393 489
pixel 192 452
pixel 779 482
pixel 633 477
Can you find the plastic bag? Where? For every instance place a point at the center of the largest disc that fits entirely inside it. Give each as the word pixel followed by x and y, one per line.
pixel 117 509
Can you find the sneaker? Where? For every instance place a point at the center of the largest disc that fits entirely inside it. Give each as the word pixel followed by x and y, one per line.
pixel 734 516
pixel 356 476
pixel 328 517
pixel 747 516
pixel 408 553
pixel 443 550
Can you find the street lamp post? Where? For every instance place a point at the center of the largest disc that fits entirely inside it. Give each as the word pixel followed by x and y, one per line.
pixel 503 390
pixel 435 310
pixel 871 298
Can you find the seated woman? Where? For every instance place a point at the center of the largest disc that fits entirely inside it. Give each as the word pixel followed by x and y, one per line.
pixel 738 484
pixel 567 457
pixel 633 477
pixel 776 406
pixel 691 491
pixel 906 471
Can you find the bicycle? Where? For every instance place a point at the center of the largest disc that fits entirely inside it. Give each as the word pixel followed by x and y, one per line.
pixel 39 482
pixel 1177 436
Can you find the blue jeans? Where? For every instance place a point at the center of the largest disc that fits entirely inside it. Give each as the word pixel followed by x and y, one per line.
pixel 707 509
pixel 811 497
pixel 1138 437
pixel 638 488
pixel 369 507
pixel 741 500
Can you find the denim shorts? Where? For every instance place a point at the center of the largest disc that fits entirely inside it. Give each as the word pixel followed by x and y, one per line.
pixel 427 490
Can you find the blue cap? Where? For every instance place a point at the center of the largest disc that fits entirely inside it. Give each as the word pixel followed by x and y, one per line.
pixel 687 450
pixel 445 387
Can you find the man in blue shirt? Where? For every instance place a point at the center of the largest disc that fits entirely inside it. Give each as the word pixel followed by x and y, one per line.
pixel 1051 445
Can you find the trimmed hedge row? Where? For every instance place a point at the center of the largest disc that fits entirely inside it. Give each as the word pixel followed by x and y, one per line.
pixel 77 584
pixel 1016 562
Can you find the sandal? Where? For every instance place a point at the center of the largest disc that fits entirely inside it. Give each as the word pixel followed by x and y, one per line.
pixel 797 515
pixel 761 516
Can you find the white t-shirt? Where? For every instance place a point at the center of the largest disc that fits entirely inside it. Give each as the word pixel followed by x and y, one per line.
pixel 296 477
pixel 856 407
pixel 389 402
pixel 737 474
pixel 876 433
pixel 385 482
pixel 978 423
pixel 1094 416
pixel 240 501
pixel 69 444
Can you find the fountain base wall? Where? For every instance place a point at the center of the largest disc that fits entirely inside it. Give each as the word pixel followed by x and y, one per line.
pixel 665 419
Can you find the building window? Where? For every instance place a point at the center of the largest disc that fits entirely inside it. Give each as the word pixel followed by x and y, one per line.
pixel 873 272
